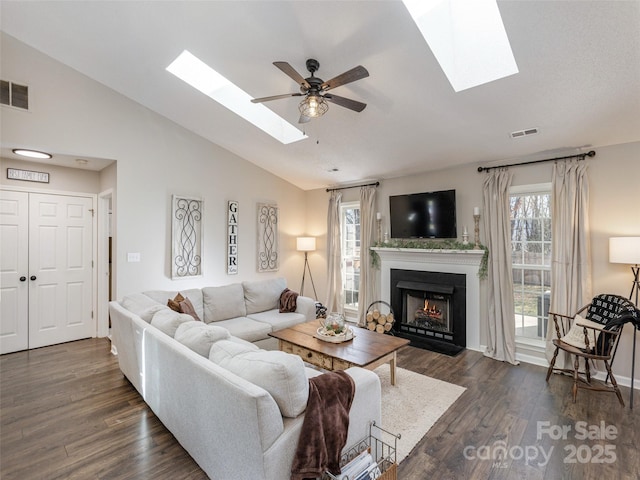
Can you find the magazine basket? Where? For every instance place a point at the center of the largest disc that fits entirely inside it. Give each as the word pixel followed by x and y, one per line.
pixel 382 445
pixel 379 317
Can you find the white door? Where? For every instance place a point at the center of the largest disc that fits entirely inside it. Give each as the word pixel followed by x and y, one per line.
pixel 59 275
pixel 14 271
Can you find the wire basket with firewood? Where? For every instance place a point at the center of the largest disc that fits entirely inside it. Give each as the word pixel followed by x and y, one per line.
pixel 379 317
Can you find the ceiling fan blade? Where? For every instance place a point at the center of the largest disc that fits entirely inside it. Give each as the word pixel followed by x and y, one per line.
pixel 304 119
pixel 291 72
pixel 276 97
pixel 345 102
pixel 349 76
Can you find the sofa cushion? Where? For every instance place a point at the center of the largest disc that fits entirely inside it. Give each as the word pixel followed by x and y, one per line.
pixel 199 336
pixel 223 350
pixel 278 320
pixel 222 303
pixel 246 328
pixel 142 305
pixel 194 294
pixel 281 374
pixel 168 321
pixel 263 295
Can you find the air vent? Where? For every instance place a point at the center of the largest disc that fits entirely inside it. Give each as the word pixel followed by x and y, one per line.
pixel 524 133
pixel 14 95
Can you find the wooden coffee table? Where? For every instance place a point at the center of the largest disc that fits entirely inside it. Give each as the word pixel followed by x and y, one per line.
pixel 367 349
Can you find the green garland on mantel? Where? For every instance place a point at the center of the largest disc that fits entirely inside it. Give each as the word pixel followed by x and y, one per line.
pixel 431 245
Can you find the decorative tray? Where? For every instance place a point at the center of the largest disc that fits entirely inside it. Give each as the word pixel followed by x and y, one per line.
pixel 333 337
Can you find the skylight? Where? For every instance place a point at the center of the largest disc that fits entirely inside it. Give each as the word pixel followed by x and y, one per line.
pixel 202 77
pixel 467 38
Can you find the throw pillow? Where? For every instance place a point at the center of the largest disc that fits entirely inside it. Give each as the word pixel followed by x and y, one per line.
pixel 281 374
pixel 575 335
pixel 187 307
pixel 199 337
pixel 182 304
pixel 287 301
pixel 174 304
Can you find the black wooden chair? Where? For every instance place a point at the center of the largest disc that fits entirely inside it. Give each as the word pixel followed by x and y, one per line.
pixel 592 337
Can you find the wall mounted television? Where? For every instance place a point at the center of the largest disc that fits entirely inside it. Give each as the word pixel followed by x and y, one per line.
pixel 423 215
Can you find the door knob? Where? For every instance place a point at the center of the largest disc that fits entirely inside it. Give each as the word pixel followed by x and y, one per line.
pixel 33 277
pixel 23 278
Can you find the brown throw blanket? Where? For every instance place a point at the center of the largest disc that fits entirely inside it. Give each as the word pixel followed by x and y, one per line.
pixel 288 299
pixel 325 426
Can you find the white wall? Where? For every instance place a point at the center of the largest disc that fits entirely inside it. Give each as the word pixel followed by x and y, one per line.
pixel 74 115
pixel 614 211
pixel 60 178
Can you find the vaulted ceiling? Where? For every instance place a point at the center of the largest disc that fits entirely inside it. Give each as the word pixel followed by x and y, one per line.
pixel 578 80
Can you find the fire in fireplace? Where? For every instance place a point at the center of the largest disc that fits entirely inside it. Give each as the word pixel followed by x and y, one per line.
pixel 433 313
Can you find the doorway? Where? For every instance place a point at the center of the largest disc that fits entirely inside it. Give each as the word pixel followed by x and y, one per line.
pixel 47 244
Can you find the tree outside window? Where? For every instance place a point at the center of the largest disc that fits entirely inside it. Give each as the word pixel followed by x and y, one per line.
pixel 350 234
pixel 531 261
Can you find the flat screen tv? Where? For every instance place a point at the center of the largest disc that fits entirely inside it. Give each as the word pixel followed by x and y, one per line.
pixel 423 215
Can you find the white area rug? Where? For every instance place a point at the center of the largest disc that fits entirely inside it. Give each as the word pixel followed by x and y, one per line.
pixel 413 405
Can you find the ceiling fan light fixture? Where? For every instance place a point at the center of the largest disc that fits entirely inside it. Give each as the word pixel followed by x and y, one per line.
pixel 313 106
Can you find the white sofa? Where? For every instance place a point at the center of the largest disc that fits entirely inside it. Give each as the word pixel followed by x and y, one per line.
pixel 238 410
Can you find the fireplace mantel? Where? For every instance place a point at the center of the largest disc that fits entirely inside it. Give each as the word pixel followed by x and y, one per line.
pixel 458 257
pixel 434 260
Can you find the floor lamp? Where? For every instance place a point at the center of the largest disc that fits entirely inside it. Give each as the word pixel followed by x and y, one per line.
pixel 627 250
pixel 306 245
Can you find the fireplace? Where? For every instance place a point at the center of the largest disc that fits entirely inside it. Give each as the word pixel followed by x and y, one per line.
pixel 461 262
pixel 430 309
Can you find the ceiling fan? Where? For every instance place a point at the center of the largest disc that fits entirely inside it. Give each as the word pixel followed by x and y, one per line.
pixel 314 90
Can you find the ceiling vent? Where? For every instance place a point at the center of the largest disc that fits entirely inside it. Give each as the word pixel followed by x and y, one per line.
pixel 14 95
pixel 524 133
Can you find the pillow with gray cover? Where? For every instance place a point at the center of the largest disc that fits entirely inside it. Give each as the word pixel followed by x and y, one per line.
pixel 199 337
pixel 168 321
pixel 279 373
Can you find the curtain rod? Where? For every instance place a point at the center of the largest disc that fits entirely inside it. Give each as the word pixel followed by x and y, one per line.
pixel 375 184
pixel 579 155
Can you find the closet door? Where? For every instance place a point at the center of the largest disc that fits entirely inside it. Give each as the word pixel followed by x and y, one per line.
pixel 46 283
pixel 14 271
pixel 60 269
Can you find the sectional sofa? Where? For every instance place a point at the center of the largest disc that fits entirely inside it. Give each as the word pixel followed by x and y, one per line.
pixel 235 407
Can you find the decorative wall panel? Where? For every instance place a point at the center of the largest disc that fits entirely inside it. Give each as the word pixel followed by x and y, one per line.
pixel 268 255
pixel 186 237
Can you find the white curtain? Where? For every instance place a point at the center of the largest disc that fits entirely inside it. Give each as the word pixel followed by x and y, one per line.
pixel 501 331
pixel 368 288
pixel 334 302
pixel 570 246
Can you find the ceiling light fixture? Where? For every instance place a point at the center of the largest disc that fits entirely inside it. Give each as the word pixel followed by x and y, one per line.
pixel 190 69
pixel 31 153
pixel 313 106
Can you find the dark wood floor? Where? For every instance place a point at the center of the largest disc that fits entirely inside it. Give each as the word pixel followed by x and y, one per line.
pixel 67 412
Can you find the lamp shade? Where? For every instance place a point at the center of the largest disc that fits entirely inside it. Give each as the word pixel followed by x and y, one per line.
pixel 306 244
pixel 624 250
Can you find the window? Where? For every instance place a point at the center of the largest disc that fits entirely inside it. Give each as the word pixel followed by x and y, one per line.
pixel 531 258
pixel 350 235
